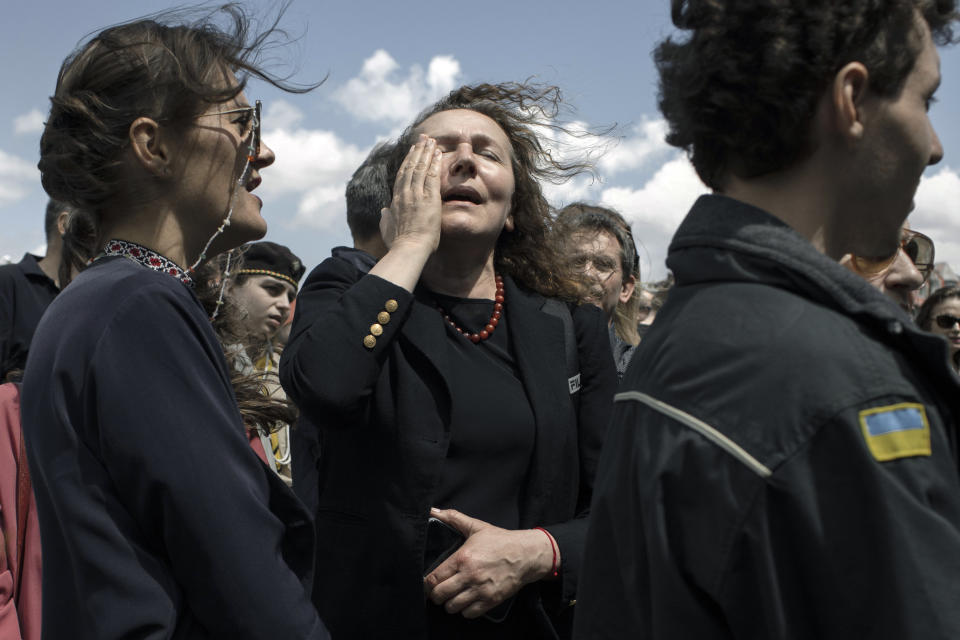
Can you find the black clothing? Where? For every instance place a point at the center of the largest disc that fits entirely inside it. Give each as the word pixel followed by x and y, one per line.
pixel 383 421
pixel 362 260
pixel 157 519
pixel 492 416
pixel 749 486
pixel 25 293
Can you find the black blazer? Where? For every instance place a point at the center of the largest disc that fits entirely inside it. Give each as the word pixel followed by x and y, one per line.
pixel 381 417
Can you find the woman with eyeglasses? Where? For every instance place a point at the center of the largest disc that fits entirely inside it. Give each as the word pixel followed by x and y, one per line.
pixel 940 314
pixel 900 275
pixel 157 519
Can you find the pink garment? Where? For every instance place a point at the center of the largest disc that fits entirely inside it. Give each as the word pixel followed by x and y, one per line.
pixel 19 610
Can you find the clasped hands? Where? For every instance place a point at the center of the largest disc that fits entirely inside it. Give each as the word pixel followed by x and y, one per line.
pixel 492 565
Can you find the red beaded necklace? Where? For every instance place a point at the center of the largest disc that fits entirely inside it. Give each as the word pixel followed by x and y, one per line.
pixel 492 323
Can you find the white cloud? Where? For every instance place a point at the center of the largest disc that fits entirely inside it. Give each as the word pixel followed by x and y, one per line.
pixel 656 209
pixel 381 93
pixel 634 151
pixel 314 165
pixel 937 213
pixel 282 115
pixel 323 207
pixel 17 178
pixel 31 122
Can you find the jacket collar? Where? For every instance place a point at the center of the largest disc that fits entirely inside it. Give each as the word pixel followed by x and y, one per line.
pixel 723 239
pixel 30 266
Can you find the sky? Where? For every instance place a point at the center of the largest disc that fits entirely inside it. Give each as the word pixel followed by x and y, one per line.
pixel 385 60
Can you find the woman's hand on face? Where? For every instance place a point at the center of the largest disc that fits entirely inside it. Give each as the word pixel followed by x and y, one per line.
pixel 414 213
pixel 490 567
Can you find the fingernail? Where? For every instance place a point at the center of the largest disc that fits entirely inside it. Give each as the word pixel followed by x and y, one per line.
pixel 434 510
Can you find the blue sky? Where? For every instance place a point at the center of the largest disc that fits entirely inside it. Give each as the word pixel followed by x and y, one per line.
pixel 384 61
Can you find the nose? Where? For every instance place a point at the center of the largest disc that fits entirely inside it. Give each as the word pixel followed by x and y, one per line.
pixel 903 274
pixel 936 153
pixel 463 160
pixel 266 157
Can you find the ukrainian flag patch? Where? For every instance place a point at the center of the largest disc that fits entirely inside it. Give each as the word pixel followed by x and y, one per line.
pixel 896 431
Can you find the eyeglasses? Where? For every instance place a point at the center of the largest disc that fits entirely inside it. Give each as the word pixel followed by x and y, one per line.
pixel 254 111
pixel 946 321
pixel 917 247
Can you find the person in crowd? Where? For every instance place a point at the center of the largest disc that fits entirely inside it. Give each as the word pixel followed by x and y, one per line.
pixel 262 292
pixel 156 517
pixel 27 288
pixel 900 275
pixel 652 297
pixel 451 391
pixel 784 464
pixel 264 289
pixel 601 244
pixel 940 314
pixel 368 193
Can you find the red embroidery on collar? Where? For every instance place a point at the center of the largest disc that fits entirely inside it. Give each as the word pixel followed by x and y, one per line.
pixel 148 258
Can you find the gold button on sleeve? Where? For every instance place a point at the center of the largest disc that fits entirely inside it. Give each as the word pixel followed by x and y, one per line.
pixel 391 305
pixel 376 329
pixel 369 342
pixel 383 317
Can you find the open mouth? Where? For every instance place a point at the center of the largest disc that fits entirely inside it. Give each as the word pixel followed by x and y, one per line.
pixel 462 194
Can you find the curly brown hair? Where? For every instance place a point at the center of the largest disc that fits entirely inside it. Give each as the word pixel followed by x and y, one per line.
pixel 530 253
pixel 167 67
pixel 740 92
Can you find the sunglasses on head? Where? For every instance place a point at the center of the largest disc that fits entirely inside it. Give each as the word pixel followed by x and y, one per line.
pixel 916 246
pixel 946 321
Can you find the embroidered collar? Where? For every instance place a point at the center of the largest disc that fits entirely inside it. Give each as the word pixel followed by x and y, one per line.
pixel 147 257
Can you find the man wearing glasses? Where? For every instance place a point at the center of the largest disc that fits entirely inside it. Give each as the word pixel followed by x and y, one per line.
pixel 900 275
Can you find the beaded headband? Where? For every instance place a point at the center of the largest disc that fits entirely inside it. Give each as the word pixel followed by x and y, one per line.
pixel 267 272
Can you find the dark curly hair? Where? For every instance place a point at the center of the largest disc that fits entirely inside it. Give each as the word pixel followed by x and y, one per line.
pixel 166 67
pixel 740 92
pixel 529 253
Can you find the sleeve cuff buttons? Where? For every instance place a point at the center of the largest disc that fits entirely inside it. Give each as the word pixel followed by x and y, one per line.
pixel 376 329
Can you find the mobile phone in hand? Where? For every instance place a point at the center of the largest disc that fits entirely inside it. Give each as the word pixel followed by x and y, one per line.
pixel 442 541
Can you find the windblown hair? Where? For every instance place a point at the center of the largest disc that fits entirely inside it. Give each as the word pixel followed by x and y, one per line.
pixel 925 314
pixel 529 253
pixel 169 67
pixel 258 407
pixel 368 192
pixel 740 92
pixel 581 217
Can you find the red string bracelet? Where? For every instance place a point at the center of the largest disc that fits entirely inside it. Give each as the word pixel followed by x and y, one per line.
pixel 553 548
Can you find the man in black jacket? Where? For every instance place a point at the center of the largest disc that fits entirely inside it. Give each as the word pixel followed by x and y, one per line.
pixel 27 289
pixel 784 465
